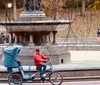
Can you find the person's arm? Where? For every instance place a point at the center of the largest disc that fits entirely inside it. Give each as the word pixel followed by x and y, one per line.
pixel 37 58
pixel 44 57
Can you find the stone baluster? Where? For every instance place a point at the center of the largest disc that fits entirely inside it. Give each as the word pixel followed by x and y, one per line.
pixel 31 40
pixel 54 36
pixel 15 38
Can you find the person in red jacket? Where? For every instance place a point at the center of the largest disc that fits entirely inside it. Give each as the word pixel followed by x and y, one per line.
pixel 39 60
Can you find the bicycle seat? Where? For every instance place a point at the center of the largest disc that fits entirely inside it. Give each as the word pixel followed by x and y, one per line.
pixel 38 68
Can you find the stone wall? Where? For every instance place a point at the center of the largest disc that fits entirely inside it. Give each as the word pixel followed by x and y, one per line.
pixel 57 54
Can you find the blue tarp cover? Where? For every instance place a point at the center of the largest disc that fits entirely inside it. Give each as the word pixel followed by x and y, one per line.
pixel 10 56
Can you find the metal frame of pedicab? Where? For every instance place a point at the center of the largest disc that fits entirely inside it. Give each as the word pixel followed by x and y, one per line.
pixel 18 73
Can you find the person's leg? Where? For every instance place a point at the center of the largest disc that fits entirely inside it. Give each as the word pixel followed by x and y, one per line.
pixel 42 69
pixel 9 69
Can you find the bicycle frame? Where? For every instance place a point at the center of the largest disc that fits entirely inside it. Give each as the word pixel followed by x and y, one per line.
pixel 17 75
pixel 29 76
pixel 54 77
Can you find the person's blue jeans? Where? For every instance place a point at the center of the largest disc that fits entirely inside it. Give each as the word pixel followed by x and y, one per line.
pixel 42 69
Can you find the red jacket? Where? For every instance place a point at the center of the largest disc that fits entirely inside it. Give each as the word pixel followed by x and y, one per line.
pixel 38 58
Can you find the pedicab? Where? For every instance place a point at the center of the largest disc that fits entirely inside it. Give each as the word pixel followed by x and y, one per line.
pixel 17 74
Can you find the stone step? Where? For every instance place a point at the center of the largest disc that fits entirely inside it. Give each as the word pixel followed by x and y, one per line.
pixel 65 79
pixel 69 75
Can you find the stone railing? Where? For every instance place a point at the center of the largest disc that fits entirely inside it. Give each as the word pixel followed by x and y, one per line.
pixel 68 72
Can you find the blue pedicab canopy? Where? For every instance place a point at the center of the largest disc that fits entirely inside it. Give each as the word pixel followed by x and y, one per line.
pixel 10 55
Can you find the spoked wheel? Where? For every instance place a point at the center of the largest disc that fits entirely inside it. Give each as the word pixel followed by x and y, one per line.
pixel 56 78
pixel 15 79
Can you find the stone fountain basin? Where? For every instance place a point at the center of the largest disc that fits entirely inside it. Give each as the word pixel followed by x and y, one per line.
pixel 45 25
pixel 57 54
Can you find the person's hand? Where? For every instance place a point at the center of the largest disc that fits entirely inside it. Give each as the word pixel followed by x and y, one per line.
pixel 47 58
pixel 45 61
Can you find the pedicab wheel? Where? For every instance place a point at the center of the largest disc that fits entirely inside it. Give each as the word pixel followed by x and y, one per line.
pixel 15 79
pixel 56 78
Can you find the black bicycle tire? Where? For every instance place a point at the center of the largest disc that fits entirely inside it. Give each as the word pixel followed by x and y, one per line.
pixel 17 75
pixel 59 75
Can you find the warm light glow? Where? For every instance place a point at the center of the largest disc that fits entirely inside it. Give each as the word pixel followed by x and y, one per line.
pixel 9 5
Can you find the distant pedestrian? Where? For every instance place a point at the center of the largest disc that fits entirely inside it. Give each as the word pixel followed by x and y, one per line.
pixel 98 36
pixel 98 33
pixel 2 38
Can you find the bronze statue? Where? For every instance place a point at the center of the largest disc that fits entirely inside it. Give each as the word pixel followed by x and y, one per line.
pixel 31 5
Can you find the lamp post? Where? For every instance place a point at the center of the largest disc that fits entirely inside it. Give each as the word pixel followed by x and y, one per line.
pixel 9 5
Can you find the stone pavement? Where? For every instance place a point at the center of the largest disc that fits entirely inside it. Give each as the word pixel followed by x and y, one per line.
pixel 64 83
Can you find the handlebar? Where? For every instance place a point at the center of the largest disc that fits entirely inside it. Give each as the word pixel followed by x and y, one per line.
pixel 47 60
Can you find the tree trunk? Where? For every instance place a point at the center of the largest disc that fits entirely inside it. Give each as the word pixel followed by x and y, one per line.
pixel 83 8
pixel 14 10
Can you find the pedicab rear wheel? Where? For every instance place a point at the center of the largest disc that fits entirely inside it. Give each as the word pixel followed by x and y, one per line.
pixel 56 78
pixel 15 79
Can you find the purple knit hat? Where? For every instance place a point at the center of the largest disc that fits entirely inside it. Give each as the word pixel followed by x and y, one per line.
pixel 37 50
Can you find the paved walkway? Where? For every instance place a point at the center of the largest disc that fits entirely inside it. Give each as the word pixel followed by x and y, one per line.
pixel 64 83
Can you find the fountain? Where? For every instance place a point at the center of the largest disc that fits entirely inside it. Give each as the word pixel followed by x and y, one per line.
pixel 36 30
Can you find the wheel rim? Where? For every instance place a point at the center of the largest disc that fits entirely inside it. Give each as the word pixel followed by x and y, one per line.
pixel 15 79
pixel 56 78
